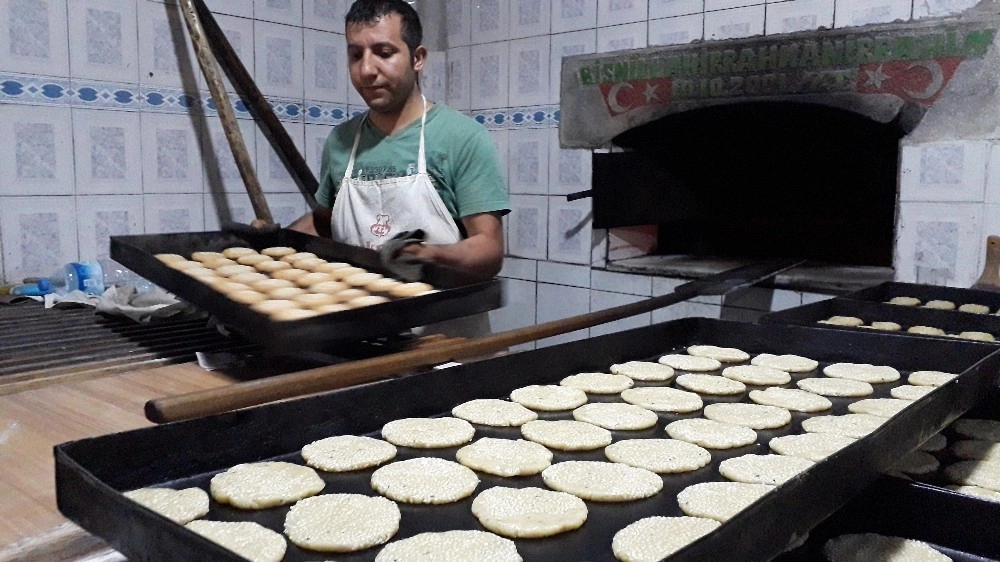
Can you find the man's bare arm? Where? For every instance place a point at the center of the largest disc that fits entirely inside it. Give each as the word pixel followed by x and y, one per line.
pixel 316 223
pixel 480 253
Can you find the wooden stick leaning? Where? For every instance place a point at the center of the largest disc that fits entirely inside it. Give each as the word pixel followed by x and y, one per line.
pixel 226 114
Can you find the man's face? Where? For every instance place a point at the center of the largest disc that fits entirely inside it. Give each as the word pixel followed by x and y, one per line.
pixel 382 69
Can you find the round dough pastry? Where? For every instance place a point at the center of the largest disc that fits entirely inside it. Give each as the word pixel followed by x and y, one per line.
pixel 285 293
pixel 340 273
pixel 935 443
pixel 237 251
pixel 342 522
pixel 312 278
pixel 268 285
pixel 904 301
pixel 787 363
pixel 711 434
pixel 978 336
pixel 810 446
pixel 200 272
pixel 663 456
pixel 362 279
pixel 428 433
pixel 315 300
pixel 425 480
pixel 616 416
pixel 720 500
pixel 265 484
pixel 365 300
pixel 292 258
pixel 602 481
pixel 835 387
pixel 940 305
pixel 690 362
pixel 206 256
pixel 974 308
pixel 863 372
pixel 328 308
pixel 271 306
pixel 566 435
pixel 850 321
pixel 328 287
pixel 343 453
pixel 253 259
pixel 763 469
pixel 270 267
pixel 974 428
pixel 292 314
pixel 643 371
pixel 791 399
pixel 654 538
pixel 404 290
pixel 290 274
pixel 887 326
pixel 216 263
pixel 663 399
pixel 248 278
pixel 494 412
pixel 505 457
pixel 170 258
pixel 881 407
pixel 528 512
pixel 721 354
pixel 870 547
pixel 982 473
pixel 549 398
pixel 451 546
pixel 929 378
pixel 330 267
pixel 754 416
pixel 182 265
pixel 246 296
pixel 849 425
pixel 250 540
pixel 278 251
pixel 598 383
pixel 976 449
pixel 917 463
pixel 346 295
pixel 179 506
pixel 757 375
pixel 711 384
pixel 925 330
pixel 308 263
pixel 230 270
pixel 383 285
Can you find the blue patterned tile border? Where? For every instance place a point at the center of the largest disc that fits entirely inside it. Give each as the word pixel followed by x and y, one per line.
pixel 325 113
pixel 162 99
pixel 34 90
pixel 104 95
pixel 541 117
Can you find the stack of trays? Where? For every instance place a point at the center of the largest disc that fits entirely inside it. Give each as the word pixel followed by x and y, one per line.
pixel 92 474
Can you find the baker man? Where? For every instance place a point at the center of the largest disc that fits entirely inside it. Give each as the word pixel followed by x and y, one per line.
pixel 408 163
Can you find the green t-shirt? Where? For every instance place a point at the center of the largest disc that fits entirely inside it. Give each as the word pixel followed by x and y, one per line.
pixel 461 160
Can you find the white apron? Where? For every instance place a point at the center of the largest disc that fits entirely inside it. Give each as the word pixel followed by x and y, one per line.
pixel 366 213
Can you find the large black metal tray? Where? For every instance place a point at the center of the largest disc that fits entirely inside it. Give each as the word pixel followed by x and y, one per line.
pixel 92 473
pixel 885 291
pixel 906 316
pixel 459 295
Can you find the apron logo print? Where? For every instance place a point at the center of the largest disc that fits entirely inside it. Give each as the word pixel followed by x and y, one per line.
pixel 381 226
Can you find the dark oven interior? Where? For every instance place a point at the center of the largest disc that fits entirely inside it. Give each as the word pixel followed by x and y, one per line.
pixel 757 180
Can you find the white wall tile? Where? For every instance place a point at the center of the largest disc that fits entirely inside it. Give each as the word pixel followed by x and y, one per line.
pixel 519 268
pixel 993 175
pixel 940 8
pixel 565 45
pixel 490 65
pixel 529 71
pixel 678 30
pixel 222 208
pixel 33 37
pixel 616 12
pixel 686 309
pixel 278 59
pixel 501 141
pixel 274 176
pixel 99 217
pixel 734 24
pixel 239 33
pixel 800 15
pixel 530 18
pixel 459 78
pixel 599 247
pixel 564 274
pixel 325 15
pixel 104 38
pixel 166 56
pixel 326 75
pixel 527 221
pixel 569 169
pixel 316 136
pixel 602 300
pixel 621 37
pixel 615 282
pixel 39 235
pixel 458 27
pixel 171 154
pixel 573 15
pixel 107 152
pixel 938 243
pixel 713 5
pixel 286 207
pixel 862 12
pixel 173 213
pixel 528 161
pixel 569 230
pixel 490 21
pixel 556 302
pixel 221 173
pixel 518 310
pixel 943 171
pixel 434 77
pixel 672 8
pixel 288 12
pixel 783 299
pixel 242 8
pixel 36 150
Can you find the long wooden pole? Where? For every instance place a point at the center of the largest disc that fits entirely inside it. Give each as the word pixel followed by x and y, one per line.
pixel 206 60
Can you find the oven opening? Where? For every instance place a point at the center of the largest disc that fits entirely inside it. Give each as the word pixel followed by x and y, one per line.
pixel 757 180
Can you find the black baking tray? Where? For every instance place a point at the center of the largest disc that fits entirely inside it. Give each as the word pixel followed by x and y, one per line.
pixel 459 294
pixel 91 474
pixel 905 316
pixel 885 291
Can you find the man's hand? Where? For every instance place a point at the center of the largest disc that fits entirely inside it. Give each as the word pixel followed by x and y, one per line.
pixel 315 223
pixel 480 253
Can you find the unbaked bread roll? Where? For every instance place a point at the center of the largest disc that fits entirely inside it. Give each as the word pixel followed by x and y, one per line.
pixel 272 266
pixel 410 289
pixel 205 256
pixel 246 296
pixel 329 287
pixel 268 285
pixel 199 272
pixel 248 278
pixel 170 258
pixel 278 251
pixel 291 274
pixel 237 251
pixel 182 265
pixel 314 300
pixel 287 314
pixel 349 294
pixel 383 285
pixel 308 263
pixel 332 266
pixel 286 293
pixel 367 300
pixel 328 308
pixel 253 259
pixel 216 263
pixel 342 273
pixel 361 279
pixel 270 306
pixel 235 269
pixel 223 285
pixel 292 258
pixel 312 278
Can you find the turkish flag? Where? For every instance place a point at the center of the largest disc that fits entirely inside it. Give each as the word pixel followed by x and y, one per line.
pixel 621 97
pixel 919 82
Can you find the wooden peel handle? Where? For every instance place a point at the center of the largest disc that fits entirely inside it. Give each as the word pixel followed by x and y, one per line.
pixel 990 279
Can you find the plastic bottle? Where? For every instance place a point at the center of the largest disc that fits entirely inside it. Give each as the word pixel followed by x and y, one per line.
pixel 119 275
pixel 85 276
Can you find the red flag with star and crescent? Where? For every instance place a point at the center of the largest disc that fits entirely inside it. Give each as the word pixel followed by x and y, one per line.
pixel 919 82
pixel 621 97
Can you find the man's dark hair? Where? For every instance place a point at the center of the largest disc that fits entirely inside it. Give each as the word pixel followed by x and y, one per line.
pixel 370 11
